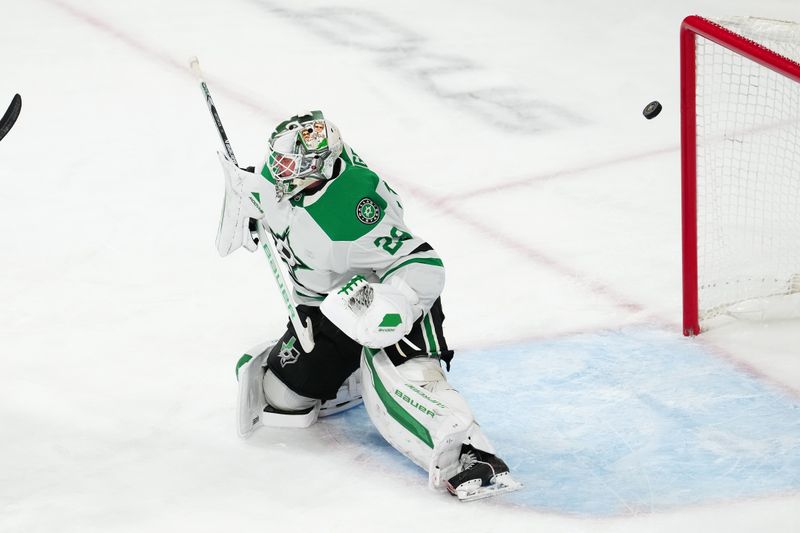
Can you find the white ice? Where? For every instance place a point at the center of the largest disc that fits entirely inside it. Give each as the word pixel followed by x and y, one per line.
pixel 120 325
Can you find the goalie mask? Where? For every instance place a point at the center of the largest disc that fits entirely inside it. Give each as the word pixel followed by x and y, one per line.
pixel 302 151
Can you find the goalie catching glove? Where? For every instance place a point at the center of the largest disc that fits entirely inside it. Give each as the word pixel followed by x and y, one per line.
pixel 375 315
pixel 238 208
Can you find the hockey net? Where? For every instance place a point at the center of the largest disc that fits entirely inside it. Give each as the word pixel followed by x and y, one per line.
pixel 740 92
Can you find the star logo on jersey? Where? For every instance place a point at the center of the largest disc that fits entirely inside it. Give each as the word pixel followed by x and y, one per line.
pixel 290 259
pixel 367 211
pixel 289 354
pixel 284 249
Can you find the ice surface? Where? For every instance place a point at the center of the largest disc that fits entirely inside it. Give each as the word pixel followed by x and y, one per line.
pixel 512 129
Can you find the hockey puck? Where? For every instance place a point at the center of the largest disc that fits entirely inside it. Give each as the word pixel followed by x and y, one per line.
pixel 652 110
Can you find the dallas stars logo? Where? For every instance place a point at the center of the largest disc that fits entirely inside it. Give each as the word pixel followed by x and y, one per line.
pixel 290 259
pixel 289 354
pixel 368 211
pixel 284 249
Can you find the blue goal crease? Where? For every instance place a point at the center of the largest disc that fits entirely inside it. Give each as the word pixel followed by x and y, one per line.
pixel 621 422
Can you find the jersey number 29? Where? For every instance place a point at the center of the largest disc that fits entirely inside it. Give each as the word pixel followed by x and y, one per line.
pixel 393 243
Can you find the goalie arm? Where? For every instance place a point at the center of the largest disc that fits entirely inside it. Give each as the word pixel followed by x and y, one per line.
pixel 394 252
pixel 380 314
pixel 238 208
pixel 422 270
pixel 235 230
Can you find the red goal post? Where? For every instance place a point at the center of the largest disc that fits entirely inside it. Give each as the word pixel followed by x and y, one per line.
pixel 746 134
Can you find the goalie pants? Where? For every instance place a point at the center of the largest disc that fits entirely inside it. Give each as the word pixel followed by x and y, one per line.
pixel 319 373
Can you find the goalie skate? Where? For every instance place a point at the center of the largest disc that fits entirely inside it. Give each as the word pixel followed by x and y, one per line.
pixel 482 475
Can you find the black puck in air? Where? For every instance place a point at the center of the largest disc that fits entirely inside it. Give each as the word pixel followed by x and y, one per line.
pixel 652 110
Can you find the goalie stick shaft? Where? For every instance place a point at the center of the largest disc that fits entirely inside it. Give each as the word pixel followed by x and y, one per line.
pixel 304 333
pixel 194 64
pixel 10 116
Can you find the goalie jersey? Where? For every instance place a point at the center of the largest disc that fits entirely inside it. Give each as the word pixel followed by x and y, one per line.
pixel 351 226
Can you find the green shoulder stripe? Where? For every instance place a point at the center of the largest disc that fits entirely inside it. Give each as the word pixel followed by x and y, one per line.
pixel 433 261
pixel 350 206
pixel 351 157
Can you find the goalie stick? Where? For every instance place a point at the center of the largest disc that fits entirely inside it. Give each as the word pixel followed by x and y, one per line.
pixel 10 116
pixel 304 333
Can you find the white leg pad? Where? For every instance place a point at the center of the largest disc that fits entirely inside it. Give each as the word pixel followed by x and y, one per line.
pixel 284 407
pixel 258 388
pixel 302 419
pixel 419 413
pixel 281 397
pixel 250 391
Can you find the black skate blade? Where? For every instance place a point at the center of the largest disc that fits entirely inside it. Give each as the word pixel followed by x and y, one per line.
pixel 501 485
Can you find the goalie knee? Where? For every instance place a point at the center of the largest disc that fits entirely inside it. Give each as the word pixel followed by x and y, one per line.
pixel 286 408
pixel 423 371
pixel 427 373
pixel 281 397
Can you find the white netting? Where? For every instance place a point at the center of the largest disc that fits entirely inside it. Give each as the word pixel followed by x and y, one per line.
pixel 748 170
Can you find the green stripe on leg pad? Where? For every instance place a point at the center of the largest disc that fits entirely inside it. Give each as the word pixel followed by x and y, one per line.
pixel 394 409
pixel 430 335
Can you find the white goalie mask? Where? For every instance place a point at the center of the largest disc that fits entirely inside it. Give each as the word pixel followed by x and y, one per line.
pixel 302 151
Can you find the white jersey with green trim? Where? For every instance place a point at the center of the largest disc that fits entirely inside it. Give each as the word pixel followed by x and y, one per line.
pixel 352 226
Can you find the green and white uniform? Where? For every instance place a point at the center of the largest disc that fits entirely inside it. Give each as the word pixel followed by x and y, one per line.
pixel 353 226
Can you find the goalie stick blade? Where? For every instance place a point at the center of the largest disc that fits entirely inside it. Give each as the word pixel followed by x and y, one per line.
pixel 10 116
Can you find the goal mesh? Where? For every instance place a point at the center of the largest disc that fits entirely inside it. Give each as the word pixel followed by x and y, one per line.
pixel 748 169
